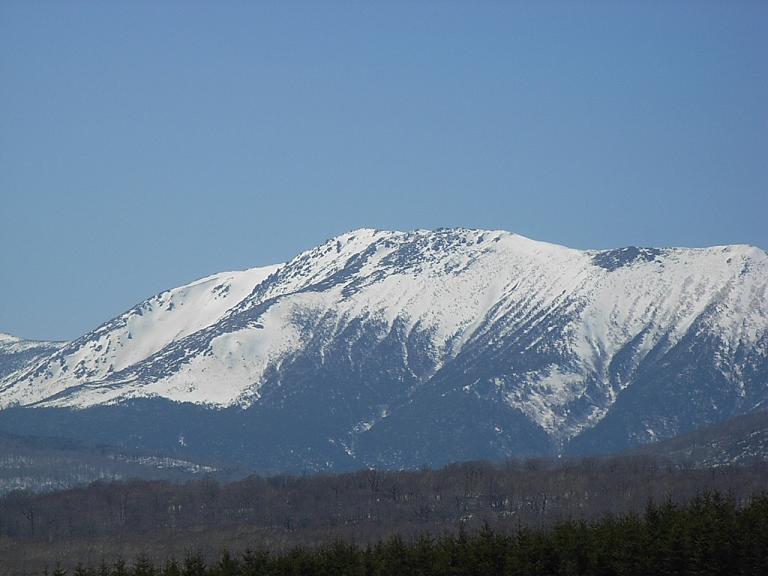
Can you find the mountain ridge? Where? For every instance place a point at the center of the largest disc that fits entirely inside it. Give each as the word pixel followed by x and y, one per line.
pixel 15 352
pixel 533 339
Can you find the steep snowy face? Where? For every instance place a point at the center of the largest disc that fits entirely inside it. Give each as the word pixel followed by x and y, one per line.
pixel 385 327
pixel 443 282
pixel 671 290
pixel 134 335
pixel 433 286
pixel 624 309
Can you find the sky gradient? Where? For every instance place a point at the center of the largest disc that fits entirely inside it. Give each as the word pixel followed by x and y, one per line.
pixel 147 144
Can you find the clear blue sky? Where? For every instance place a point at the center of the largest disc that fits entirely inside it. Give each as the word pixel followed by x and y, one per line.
pixel 146 144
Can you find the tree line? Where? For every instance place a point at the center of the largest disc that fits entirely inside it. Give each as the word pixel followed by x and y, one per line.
pixel 158 519
pixel 710 535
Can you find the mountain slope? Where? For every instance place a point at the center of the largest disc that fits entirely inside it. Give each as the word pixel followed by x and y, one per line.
pixel 740 440
pixel 43 464
pixel 16 353
pixel 398 349
pixel 135 335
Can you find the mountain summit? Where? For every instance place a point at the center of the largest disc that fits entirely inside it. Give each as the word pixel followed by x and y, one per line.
pixel 403 348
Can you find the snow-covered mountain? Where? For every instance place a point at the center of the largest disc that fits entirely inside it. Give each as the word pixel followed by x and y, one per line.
pixel 423 347
pixel 15 353
pixel 132 338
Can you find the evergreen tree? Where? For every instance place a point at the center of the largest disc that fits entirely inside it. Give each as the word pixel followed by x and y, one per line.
pixel 171 568
pixel 255 563
pixel 143 567
pixel 119 568
pixel 194 566
pixel 227 566
pixel 711 535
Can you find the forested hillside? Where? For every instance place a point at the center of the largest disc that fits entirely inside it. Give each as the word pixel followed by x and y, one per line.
pixel 709 535
pixel 43 463
pixel 159 520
